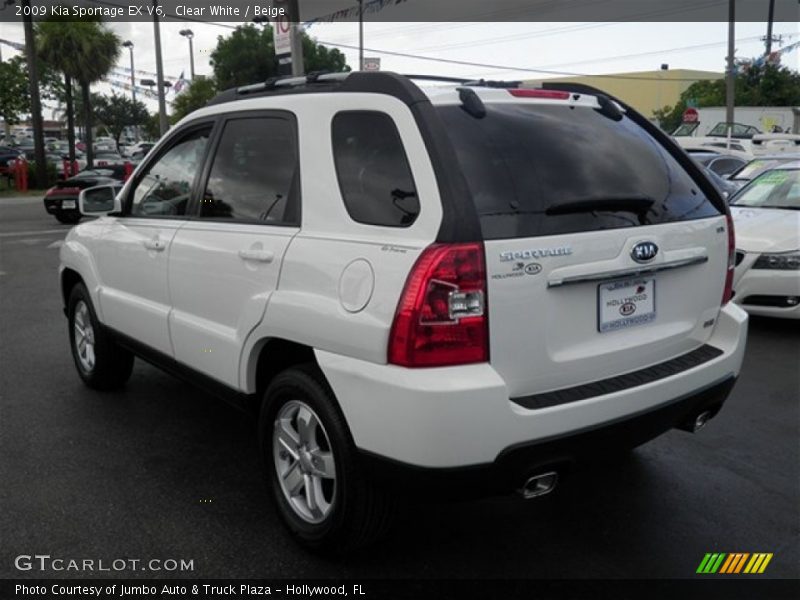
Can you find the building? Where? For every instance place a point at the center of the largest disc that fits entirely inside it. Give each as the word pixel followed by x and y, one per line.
pixel 646 91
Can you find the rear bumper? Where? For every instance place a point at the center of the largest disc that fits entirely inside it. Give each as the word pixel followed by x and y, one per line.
pixel 53 205
pixel 516 464
pixel 455 417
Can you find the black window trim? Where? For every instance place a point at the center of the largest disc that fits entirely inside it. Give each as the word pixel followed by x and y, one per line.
pixel 214 142
pixel 175 137
pixel 405 155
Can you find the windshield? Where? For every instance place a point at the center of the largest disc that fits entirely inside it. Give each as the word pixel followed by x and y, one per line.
pixel 753 168
pixel 739 130
pixel 779 188
pixel 542 169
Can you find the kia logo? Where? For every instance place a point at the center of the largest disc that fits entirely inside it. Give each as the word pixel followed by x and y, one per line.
pixel 644 252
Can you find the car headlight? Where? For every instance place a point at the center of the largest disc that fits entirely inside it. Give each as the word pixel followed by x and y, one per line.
pixel 786 262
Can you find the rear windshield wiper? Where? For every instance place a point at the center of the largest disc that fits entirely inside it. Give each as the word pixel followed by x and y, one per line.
pixel 635 204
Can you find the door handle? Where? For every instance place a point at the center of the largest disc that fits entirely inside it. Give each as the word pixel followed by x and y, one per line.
pixel 155 244
pixel 264 256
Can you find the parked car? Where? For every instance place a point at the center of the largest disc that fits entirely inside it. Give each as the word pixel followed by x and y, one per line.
pixel 759 165
pixel 140 150
pixel 767 217
pixel 453 291
pixel 61 200
pixel 108 159
pixel 722 165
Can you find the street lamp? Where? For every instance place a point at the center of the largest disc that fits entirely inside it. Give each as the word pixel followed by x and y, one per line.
pixel 189 34
pixel 129 45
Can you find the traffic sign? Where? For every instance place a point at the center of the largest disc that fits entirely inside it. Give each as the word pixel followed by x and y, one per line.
pixel 690 115
pixel 371 64
pixel 282 35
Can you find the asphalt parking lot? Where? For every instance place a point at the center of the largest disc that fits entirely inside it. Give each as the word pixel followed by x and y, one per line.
pixel 164 470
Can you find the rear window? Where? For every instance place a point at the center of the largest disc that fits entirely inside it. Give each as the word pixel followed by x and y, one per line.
pixel 519 160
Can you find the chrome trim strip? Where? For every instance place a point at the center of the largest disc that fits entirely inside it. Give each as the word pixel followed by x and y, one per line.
pixel 634 272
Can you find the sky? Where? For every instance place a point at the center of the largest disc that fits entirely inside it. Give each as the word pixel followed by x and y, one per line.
pixel 580 48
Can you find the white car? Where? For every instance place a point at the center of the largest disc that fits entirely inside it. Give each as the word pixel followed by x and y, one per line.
pixel 455 290
pixel 767 217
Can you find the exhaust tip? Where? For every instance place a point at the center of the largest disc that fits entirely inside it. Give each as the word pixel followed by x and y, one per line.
pixel 539 485
pixel 701 420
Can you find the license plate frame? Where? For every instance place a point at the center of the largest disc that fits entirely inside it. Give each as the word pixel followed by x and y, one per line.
pixel 623 304
pixel 69 204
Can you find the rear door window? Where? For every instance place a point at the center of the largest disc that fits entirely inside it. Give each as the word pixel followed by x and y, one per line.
pixel 373 171
pixel 521 160
pixel 255 175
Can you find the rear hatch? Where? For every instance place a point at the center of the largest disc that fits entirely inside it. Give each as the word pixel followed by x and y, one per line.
pixel 603 255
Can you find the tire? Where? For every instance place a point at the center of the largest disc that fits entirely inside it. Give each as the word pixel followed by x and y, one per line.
pixel 68 218
pixel 100 362
pixel 350 511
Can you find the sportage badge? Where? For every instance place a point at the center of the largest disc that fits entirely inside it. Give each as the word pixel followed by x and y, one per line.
pixel 644 252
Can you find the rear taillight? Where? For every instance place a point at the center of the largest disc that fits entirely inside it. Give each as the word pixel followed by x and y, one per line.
pixel 537 93
pixel 441 319
pixel 727 293
pixel 63 191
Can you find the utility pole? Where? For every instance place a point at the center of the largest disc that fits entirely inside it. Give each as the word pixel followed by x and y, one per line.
pixel 769 27
pixel 36 105
pixel 730 79
pixel 296 38
pixel 162 103
pixel 360 35
pixel 129 45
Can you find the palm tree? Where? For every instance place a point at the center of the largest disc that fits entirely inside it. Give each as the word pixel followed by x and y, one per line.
pixel 85 51
pixel 57 48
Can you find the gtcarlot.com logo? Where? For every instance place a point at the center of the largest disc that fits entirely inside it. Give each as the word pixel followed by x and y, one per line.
pixel 45 562
pixel 734 563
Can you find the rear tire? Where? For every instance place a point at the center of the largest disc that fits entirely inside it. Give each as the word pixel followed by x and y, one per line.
pixel 311 465
pixel 101 363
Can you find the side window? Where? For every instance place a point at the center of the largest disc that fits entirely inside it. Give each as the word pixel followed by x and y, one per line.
pixel 165 187
pixel 372 168
pixel 255 174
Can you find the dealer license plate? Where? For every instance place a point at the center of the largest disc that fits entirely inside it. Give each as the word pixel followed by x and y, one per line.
pixel 623 304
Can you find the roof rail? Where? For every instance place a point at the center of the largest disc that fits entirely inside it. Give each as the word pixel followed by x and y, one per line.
pixel 467 82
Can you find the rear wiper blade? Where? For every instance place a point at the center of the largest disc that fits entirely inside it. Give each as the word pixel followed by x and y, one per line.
pixel 634 204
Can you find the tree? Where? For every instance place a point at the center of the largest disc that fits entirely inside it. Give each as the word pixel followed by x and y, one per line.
pixel 14 95
pixel 762 85
pixel 90 51
pixel 119 112
pixel 197 95
pixel 57 48
pixel 248 56
pixel 152 127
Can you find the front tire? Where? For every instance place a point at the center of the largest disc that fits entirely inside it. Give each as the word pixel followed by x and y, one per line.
pixel 68 218
pixel 311 463
pixel 100 362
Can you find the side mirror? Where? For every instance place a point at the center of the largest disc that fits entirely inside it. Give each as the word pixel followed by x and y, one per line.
pixel 100 200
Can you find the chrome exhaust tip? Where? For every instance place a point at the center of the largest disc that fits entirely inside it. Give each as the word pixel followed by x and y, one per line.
pixel 539 485
pixel 701 420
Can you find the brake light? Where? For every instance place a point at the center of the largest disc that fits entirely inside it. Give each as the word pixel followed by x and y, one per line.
pixel 63 191
pixel 536 93
pixel 441 319
pixel 727 293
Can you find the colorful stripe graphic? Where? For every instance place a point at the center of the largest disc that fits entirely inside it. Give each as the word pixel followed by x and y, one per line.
pixel 733 563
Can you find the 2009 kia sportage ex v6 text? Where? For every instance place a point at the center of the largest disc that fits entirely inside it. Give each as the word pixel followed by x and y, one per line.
pixel 474 284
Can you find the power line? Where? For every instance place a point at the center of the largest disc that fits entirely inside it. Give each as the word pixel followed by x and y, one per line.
pixel 497 67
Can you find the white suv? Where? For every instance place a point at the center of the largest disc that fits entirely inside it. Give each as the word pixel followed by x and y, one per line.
pixel 466 288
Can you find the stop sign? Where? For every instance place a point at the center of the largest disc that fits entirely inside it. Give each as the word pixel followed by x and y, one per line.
pixel 690 115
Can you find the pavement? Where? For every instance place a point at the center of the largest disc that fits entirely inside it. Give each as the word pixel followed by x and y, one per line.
pixel 164 470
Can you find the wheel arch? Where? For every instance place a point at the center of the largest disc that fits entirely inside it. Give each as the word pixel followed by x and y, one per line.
pixel 269 356
pixel 69 279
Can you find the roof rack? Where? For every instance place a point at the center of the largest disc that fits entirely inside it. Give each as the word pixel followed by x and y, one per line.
pixel 466 82
pixel 355 81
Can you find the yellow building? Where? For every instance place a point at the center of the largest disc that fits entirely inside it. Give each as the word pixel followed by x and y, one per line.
pixel 646 91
